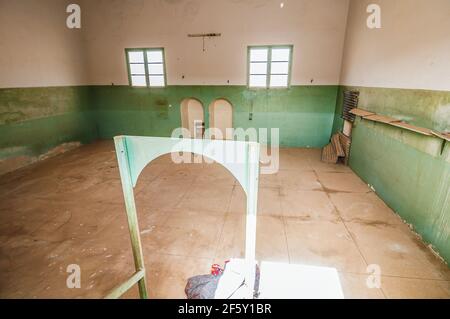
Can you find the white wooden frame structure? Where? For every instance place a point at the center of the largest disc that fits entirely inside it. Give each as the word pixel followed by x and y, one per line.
pixel 134 153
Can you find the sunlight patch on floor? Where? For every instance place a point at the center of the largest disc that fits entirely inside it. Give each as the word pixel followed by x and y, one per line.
pixel 295 281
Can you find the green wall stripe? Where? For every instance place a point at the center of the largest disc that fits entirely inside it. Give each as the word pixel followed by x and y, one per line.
pixel 304 114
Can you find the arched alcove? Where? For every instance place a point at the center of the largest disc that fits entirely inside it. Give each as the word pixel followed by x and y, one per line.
pixel 192 117
pixel 221 119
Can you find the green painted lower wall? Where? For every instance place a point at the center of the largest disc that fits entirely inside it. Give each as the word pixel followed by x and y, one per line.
pixel 410 174
pixel 409 171
pixel 304 114
pixel 425 108
pixel 35 120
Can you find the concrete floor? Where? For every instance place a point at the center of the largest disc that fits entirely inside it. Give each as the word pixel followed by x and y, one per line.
pixel 69 210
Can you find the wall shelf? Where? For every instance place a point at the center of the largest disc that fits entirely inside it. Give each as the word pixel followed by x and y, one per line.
pixel 444 136
pixel 361 112
pixel 370 116
pixel 417 129
pixel 381 119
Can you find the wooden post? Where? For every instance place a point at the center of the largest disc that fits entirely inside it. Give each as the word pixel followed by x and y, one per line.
pixel 127 187
pixel 252 202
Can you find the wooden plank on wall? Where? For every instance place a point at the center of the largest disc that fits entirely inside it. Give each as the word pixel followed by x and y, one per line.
pixel 444 136
pixel 361 112
pixel 381 119
pixel 410 127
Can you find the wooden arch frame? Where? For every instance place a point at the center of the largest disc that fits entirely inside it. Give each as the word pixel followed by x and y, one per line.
pixel 134 153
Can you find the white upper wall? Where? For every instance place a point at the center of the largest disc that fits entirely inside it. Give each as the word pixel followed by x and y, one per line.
pixel 36 47
pixel 411 50
pixel 316 28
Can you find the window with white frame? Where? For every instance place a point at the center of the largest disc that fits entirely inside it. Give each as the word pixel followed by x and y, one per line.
pixel 146 67
pixel 269 66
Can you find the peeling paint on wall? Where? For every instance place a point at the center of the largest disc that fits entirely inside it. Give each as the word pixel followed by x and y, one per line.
pixel 13 163
pixel 442 118
pixel 35 121
pixel 22 104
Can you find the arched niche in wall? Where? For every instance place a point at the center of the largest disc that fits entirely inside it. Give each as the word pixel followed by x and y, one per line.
pixel 192 117
pixel 221 119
